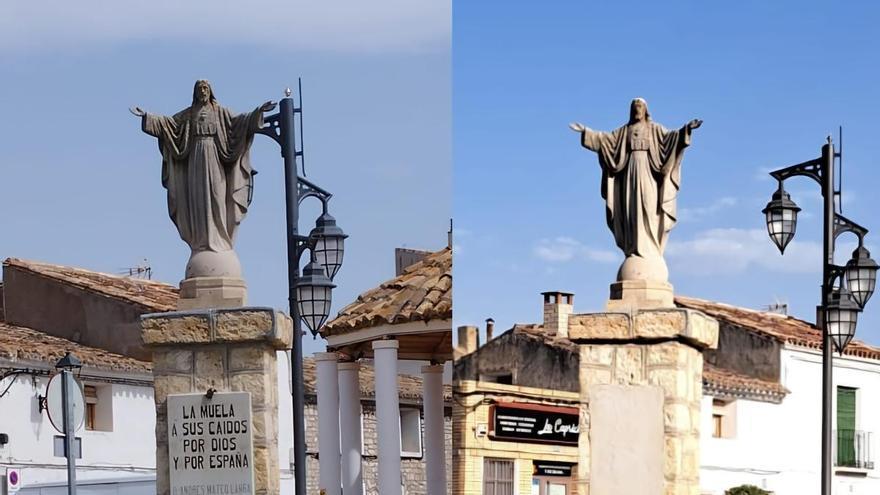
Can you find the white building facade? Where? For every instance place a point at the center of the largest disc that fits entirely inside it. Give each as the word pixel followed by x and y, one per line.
pixel 117 439
pixel 778 446
pixel 47 310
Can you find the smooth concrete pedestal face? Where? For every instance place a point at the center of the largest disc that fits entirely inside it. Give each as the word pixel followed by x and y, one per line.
pixel 653 363
pixel 212 292
pixel 626 440
pixel 229 351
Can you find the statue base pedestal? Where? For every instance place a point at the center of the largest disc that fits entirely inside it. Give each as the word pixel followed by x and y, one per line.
pixel 632 295
pixel 641 390
pixel 228 351
pixel 212 292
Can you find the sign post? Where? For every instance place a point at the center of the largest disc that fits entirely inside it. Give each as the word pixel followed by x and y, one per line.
pixel 210 444
pixel 67 393
pixel 72 408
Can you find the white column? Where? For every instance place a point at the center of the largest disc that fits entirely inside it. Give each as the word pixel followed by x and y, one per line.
pixel 387 416
pixel 350 428
pixel 435 429
pixel 328 422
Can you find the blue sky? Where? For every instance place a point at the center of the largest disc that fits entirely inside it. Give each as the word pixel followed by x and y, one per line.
pixel 770 80
pixel 81 182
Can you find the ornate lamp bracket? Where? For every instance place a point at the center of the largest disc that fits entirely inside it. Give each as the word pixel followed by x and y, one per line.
pixel 308 189
pixel 835 273
pixel 811 169
pixel 843 224
pixel 272 128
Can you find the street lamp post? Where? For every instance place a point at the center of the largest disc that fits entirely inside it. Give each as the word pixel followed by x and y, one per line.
pixel 845 289
pixel 309 294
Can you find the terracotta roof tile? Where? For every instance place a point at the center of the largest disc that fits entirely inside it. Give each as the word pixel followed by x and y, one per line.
pixel 717 381
pixel 25 344
pixel 155 296
pixel 423 292
pixel 780 327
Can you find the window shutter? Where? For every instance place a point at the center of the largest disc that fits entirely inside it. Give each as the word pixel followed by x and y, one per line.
pixel 846 426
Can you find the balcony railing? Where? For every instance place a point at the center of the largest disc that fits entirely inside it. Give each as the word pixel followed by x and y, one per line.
pixel 853 448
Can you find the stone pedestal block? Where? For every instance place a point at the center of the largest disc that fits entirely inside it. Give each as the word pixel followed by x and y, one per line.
pixel 650 362
pixel 212 292
pixel 632 295
pixel 229 351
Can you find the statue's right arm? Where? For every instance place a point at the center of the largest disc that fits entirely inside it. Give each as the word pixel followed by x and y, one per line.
pixel 590 139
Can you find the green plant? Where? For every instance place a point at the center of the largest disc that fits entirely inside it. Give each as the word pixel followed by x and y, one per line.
pixel 746 490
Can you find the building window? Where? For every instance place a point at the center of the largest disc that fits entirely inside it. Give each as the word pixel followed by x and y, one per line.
pixel 717 420
pixel 723 418
pixel 91 395
pixel 99 407
pixel 497 477
pixel 410 432
pixel 504 378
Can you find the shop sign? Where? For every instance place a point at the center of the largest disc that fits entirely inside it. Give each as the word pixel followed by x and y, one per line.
pixel 548 468
pixel 534 423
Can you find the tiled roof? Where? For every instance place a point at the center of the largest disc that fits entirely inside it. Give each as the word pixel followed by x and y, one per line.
pixel 780 327
pixel 536 331
pixel 24 344
pixel 422 293
pixel 155 296
pixel 410 386
pixel 722 382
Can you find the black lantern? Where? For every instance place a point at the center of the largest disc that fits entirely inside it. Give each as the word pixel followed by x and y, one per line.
pixel 313 291
pixel 781 214
pixel 841 315
pixel 69 363
pixel 861 276
pixel 329 244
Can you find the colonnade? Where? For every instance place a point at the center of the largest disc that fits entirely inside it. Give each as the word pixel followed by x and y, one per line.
pixel 339 423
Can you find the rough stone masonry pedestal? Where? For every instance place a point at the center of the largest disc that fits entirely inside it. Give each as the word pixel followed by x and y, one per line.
pixel 229 350
pixel 641 387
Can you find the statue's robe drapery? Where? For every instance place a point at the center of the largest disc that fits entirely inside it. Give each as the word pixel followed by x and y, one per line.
pixel 641 172
pixel 206 170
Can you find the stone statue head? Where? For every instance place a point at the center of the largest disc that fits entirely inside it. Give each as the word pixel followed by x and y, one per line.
pixel 638 111
pixel 202 93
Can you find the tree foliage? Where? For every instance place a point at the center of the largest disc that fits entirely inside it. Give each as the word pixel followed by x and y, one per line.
pixel 746 490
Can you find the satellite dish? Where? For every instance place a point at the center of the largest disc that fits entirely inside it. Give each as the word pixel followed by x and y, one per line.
pixel 55 403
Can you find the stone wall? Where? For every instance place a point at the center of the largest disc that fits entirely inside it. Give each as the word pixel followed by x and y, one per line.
pixel 746 353
pixel 652 349
pixel 473 401
pixel 76 314
pixel 528 357
pixel 227 350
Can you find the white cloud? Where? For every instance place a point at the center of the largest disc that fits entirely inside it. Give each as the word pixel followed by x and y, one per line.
pixel 340 25
pixel 564 249
pixel 732 251
pixel 700 212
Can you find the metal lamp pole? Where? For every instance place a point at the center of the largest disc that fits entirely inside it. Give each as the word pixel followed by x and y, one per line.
pixel 839 306
pixel 281 127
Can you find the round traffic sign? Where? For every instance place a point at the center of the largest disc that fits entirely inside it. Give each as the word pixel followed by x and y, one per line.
pixel 55 403
pixel 12 477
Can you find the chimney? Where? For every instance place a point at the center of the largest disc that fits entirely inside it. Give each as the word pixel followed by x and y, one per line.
pixel 557 308
pixel 468 339
pixel 404 258
pixel 490 329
